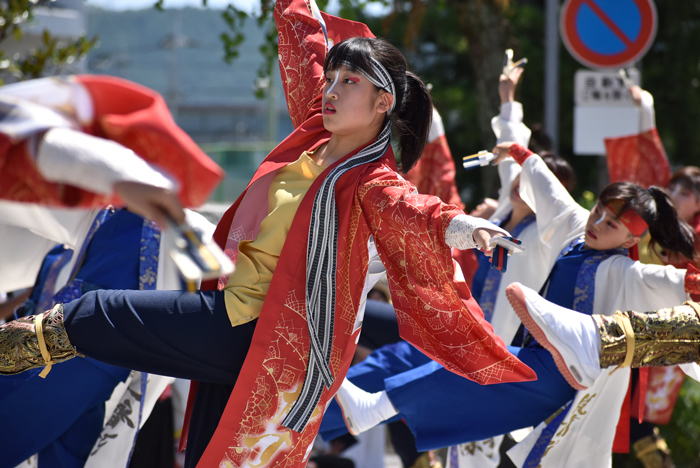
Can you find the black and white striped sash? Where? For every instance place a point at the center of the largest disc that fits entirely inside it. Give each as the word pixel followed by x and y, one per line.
pixel 321 266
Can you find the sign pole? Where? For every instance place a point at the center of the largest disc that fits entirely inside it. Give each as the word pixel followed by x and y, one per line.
pixel 551 79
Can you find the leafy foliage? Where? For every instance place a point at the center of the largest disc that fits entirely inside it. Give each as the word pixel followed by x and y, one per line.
pixel 50 58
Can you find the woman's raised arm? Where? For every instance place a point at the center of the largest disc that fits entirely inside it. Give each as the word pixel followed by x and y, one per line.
pixel 302 50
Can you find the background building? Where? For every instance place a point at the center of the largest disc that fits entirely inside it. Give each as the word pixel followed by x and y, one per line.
pixel 178 52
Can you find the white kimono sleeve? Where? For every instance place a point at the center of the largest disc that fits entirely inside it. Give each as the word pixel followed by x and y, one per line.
pixel 559 218
pixel 29 231
pixel 509 126
pixel 647 114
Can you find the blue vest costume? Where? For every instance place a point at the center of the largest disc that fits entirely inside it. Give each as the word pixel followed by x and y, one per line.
pixel 444 409
pixel 66 415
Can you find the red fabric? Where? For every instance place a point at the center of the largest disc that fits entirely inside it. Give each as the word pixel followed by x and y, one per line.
pixel 633 252
pixel 468 262
pixel 692 280
pixel 640 392
pixel 519 153
pixel 434 173
pixel 662 392
pixel 435 312
pixel 188 413
pixel 21 181
pixel 621 444
pixel 138 118
pixel 133 116
pixel 630 218
pixel 640 159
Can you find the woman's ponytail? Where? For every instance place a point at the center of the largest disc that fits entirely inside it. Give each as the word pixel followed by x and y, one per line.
pixel 667 229
pixel 412 121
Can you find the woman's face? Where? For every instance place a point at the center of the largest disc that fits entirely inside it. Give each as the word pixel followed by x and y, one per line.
pixel 686 201
pixel 351 103
pixel 604 231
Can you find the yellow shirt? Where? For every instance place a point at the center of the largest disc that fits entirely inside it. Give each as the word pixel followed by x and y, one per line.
pixel 248 285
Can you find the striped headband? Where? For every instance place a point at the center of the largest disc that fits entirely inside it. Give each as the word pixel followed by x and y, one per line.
pixel 381 79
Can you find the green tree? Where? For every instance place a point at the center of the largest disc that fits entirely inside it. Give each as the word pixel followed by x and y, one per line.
pixel 48 59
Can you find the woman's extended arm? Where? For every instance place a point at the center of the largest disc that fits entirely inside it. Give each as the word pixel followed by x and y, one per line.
pixel 559 218
pixel 434 307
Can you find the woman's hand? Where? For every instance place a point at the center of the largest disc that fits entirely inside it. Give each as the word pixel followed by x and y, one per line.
pixel 507 85
pixel 501 151
pixel 482 237
pixel 154 203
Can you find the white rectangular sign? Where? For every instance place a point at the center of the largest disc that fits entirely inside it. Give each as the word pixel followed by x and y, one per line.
pixel 603 109
pixel 593 124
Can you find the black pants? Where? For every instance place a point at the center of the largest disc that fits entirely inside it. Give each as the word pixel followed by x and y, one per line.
pixel 185 335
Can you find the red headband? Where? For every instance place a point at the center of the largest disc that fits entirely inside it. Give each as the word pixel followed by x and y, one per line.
pixel 629 218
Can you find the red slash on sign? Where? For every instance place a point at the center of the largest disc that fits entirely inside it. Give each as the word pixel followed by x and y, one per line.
pixel 608 33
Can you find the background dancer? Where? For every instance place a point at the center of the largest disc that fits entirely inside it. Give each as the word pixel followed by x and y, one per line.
pixel 574 279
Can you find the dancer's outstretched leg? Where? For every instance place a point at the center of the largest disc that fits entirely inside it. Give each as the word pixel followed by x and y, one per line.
pixel 438 405
pixel 161 332
pixel 582 346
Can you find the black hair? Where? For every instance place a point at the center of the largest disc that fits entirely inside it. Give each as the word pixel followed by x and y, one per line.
pixel 560 168
pixel 687 177
pixel 413 110
pixel 656 209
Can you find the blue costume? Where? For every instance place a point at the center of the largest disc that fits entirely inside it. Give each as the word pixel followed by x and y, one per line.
pixel 67 411
pixel 444 409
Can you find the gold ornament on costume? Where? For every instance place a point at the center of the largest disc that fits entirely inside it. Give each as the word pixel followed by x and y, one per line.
pixel 20 349
pixel 661 338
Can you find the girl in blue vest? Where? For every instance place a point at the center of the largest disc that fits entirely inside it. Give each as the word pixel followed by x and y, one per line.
pixel 591 273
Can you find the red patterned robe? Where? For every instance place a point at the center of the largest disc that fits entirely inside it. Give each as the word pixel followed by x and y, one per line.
pixel 376 209
pixel 434 174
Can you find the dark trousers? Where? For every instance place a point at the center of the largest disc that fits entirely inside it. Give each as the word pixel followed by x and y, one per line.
pixel 185 335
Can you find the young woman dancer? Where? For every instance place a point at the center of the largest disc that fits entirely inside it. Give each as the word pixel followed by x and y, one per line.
pixel 271 347
pixel 592 274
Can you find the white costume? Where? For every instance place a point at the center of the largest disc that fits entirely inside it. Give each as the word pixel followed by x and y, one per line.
pixel 587 432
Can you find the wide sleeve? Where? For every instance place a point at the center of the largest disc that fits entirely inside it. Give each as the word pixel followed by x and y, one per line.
pixel 59 225
pixel 559 218
pixel 434 307
pixel 508 126
pixel 302 51
pixel 623 284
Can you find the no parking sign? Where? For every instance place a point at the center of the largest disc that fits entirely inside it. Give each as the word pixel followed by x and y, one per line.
pixel 608 33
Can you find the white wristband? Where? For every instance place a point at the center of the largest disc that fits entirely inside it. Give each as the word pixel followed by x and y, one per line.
pixel 460 232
